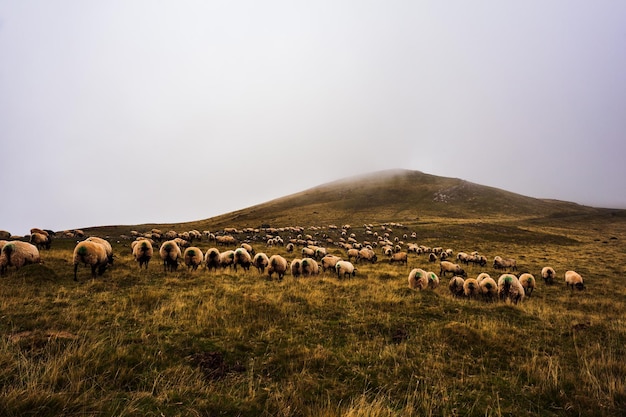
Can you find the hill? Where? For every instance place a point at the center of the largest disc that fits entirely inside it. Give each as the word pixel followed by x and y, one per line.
pixel 389 196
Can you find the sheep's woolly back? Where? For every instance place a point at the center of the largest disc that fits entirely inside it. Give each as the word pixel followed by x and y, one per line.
pixel 17 254
pixel 488 288
pixel 193 257
pixel 548 274
pixel 170 250
pixel 309 267
pixel 456 286
pixel 471 288
pixel 574 279
pixel 528 283
pixel 418 279
pixel 509 288
pixel 277 264
pixel 433 280
pixel 105 243
pixel 344 268
pixel 296 267
pixel 482 276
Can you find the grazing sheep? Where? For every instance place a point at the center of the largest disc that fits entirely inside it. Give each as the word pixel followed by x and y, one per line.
pixel 509 288
pixel 456 286
pixel 471 288
pixel 227 258
pixel 94 254
pixel 401 257
pixel 488 288
pixel 367 255
pixel 42 241
pixel 499 263
pixel 142 251
pixel 296 267
pixel 344 268
pixel 528 282
pixel 212 259
pixel 289 247
pixel 432 257
pixel 260 262
pixel 249 248
pixel 17 253
pixel 454 269
pixel 353 253
pixel 418 279
pixel 463 258
pixel 106 244
pixel 548 274
pixel 308 252
pixel 309 267
pixel 320 253
pixel 329 262
pixel 243 258
pixel 482 276
pixel 4 235
pixel 277 264
pixel 170 252
pixel 574 280
pixel 193 257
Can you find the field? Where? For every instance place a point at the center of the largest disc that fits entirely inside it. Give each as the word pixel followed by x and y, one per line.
pixel 150 343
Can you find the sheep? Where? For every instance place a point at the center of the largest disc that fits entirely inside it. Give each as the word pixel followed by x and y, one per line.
pixel 17 253
pixel 170 252
pixel 463 257
pixel 499 263
pixel 296 267
pixel 417 279
pixel 243 258
pixel 368 255
pixel 260 262
pixel 528 282
pixel 309 267
pixel 509 288
pixel 353 253
pixel 212 259
pixel 320 253
pixel 142 251
pixel 488 288
pixel 193 257
pixel 344 268
pixel 106 244
pixel 401 257
pixel 454 269
pixel 329 262
pixel 456 286
pixel 42 241
pixel 471 288
pixel 548 274
pixel 227 258
pixel 4 235
pixel 289 247
pixel 432 257
pixel 573 279
pixel 94 254
pixel 482 276
pixel 249 248
pixel 308 252
pixel 277 264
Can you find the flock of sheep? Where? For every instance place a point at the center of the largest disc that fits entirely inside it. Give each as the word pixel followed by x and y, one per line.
pixel 176 248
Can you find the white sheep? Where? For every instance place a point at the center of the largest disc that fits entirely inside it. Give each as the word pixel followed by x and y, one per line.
pixel 261 261
pixel 41 240
pixel 90 253
pixel 454 269
pixel 243 258
pixel 329 262
pixel 456 286
pixel 574 280
pixel 17 253
pixel 418 279
pixel 367 255
pixel 296 267
pixel 344 268
pixel 528 282
pixel 488 288
pixel 482 276
pixel 309 267
pixel 106 244
pixel 227 258
pixel 142 251
pixel 212 259
pixel 471 288
pixel 170 252
pixel 193 257
pixel 400 257
pixel 277 264
pixel 548 274
pixel 509 288
pixel 500 263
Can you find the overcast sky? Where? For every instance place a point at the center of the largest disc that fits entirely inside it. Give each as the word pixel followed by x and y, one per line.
pixel 126 112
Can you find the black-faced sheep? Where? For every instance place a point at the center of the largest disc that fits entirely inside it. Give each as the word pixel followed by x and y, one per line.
pixel 242 258
pixel 528 282
pixel 471 288
pixel 170 252
pixel 277 264
pixel 17 253
pixel 548 274
pixel 452 268
pixel 456 286
pixel 42 241
pixel 344 268
pixel 261 261
pixel 509 288
pixel 399 257
pixel 574 280
pixel 420 279
pixel 212 259
pixel 505 264
pixel 106 244
pixel 367 254
pixel 90 253
pixel 142 251
pixel 329 262
pixel 249 248
pixel 193 257
pixel 296 267
pixel 309 267
pixel 227 258
pixel 488 288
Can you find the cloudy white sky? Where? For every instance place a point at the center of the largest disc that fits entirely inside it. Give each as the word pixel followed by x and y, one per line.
pixel 125 112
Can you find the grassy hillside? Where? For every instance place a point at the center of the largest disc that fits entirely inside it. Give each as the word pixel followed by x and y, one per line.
pixel 207 343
